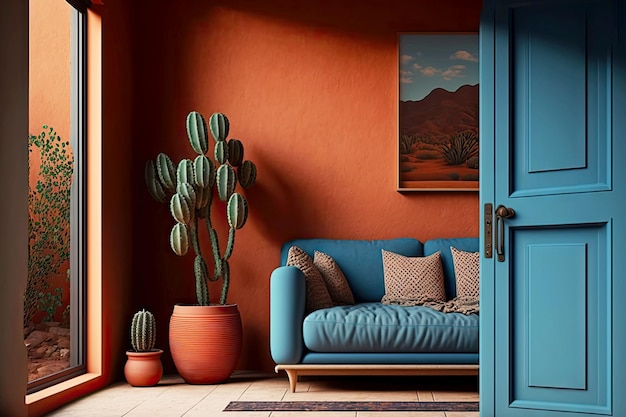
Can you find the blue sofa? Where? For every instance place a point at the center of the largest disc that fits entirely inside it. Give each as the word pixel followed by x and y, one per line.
pixel 369 338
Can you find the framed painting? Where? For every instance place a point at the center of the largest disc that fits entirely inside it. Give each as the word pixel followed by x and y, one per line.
pixel 438 112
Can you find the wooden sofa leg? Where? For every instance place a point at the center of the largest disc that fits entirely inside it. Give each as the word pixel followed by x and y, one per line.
pixel 292 374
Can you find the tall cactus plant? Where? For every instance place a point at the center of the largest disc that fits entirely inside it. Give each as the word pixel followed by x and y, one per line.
pixel 143 331
pixel 189 187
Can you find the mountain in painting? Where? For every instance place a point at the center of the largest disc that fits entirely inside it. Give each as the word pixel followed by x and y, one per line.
pixel 440 114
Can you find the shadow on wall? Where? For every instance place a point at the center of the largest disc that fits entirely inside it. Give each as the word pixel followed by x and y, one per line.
pixel 280 205
pixel 348 19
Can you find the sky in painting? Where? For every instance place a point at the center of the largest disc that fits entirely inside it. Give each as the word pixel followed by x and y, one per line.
pixel 429 61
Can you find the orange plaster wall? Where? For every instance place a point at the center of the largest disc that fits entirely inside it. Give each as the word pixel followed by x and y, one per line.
pixel 118 203
pixel 49 77
pixel 311 90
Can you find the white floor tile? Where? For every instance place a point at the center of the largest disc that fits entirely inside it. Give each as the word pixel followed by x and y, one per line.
pixel 172 397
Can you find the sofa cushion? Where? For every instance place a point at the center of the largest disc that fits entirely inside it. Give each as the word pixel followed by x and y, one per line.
pixel 360 260
pixel 317 295
pixel 411 278
pixel 466 270
pixel 336 282
pixel 468 244
pixel 374 327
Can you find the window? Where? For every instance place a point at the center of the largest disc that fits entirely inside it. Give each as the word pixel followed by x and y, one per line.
pixel 54 301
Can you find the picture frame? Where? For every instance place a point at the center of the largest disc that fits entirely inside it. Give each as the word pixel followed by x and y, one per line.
pixel 438 144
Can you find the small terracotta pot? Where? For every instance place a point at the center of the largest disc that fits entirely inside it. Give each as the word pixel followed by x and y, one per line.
pixel 143 369
pixel 205 342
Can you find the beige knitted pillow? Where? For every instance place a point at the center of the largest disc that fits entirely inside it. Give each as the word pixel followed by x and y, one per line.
pixel 408 278
pixel 466 270
pixel 336 281
pixel 317 295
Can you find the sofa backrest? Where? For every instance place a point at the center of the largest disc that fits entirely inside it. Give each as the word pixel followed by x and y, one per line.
pixel 362 263
pixel 360 260
pixel 467 244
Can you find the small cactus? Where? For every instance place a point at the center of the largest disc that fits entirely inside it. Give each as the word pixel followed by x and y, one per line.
pixel 189 187
pixel 406 143
pixel 461 147
pixel 143 331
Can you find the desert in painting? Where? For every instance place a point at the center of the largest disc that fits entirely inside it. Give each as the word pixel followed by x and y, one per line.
pixel 438 112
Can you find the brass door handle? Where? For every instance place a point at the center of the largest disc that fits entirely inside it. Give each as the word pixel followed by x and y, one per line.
pixel 505 212
pixel 502 213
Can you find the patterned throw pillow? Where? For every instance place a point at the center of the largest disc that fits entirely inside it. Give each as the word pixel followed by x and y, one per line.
pixel 411 278
pixel 336 281
pixel 317 295
pixel 466 270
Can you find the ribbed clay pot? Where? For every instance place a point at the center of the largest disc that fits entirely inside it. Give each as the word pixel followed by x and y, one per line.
pixel 205 342
pixel 143 369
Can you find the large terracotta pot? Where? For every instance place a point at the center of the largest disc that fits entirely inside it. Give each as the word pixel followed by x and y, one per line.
pixel 143 369
pixel 205 342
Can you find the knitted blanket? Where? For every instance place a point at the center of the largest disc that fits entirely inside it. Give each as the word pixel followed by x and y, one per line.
pixel 463 305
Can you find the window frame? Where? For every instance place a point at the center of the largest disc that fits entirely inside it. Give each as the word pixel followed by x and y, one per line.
pixel 78 249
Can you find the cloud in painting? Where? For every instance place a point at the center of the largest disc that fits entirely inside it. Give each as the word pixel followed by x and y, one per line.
pixel 429 71
pixel 455 71
pixel 464 56
pixel 406 77
pixel 405 59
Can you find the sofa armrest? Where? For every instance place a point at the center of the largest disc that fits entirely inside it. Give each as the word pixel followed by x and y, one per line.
pixel 287 304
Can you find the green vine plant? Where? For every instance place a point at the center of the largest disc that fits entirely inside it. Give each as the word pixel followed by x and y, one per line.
pixel 48 222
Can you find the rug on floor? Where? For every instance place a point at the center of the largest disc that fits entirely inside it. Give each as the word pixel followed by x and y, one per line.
pixel 350 406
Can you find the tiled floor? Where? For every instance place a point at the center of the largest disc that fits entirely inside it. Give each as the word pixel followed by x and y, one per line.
pixel 173 398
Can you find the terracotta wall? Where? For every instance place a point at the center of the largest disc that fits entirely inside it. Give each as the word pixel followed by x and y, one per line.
pixel 311 90
pixel 49 75
pixel 118 189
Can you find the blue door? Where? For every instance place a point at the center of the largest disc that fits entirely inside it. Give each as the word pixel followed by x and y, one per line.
pixel 553 198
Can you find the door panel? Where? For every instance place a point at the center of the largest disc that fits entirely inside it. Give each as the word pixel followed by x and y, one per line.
pixel 553 148
pixel 560 311
pixel 560 88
